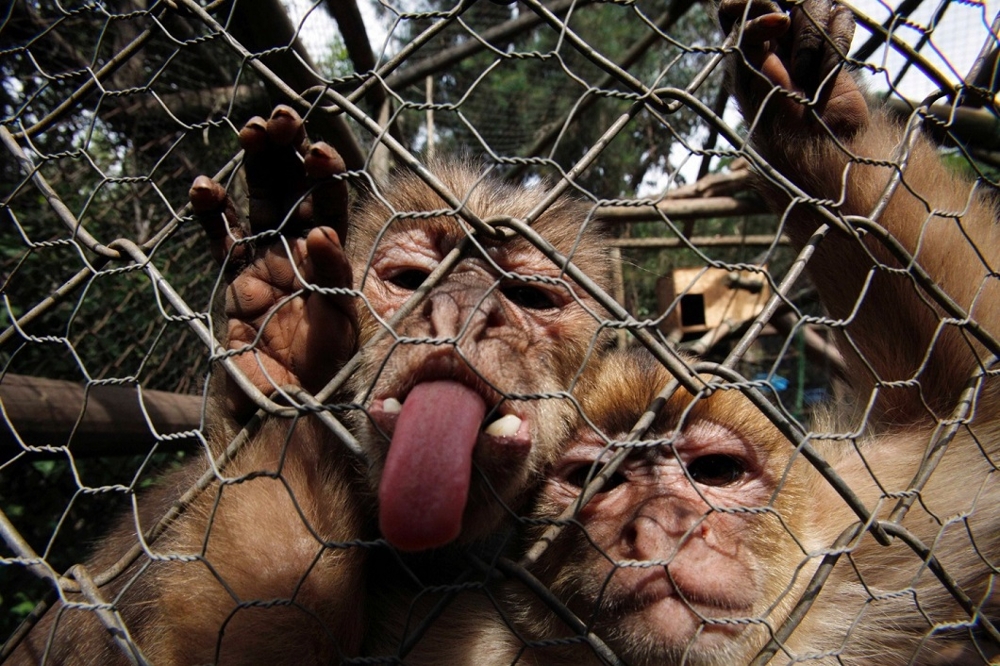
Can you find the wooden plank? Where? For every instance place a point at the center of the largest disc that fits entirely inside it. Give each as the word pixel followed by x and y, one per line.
pixel 680 209
pixel 104 420
pixel 764 240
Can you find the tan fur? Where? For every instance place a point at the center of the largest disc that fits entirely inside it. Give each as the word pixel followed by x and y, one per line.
pixel 949 226
pixel 269 538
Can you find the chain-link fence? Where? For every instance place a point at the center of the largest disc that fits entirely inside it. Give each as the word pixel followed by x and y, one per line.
pixel 793 460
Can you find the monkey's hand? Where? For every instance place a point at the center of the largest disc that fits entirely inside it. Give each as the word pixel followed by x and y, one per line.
pixel 283 320
pixel 791 78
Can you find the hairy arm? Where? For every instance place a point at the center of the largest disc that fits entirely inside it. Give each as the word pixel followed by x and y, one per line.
pixel 889 193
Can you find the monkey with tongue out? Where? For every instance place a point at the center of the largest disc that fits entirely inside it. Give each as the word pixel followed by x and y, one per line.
pixel 463 402
pixel 467 388
pixel 466 397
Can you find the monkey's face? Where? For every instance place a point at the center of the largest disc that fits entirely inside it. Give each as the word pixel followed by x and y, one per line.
pixel 465 396
pixel 683 551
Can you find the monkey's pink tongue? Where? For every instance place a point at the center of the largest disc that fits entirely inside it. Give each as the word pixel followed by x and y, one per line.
pixel 426 479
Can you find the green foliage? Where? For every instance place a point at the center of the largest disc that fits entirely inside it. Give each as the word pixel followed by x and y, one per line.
pixel 120 160
pixel 504 100
pixel 33 494
pixel 960 163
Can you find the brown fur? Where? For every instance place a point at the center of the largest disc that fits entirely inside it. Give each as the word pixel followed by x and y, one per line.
pixel 525 356
pixel 270 537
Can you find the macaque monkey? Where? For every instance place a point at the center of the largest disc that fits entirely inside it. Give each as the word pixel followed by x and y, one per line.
pixel 269 565
pixel 701 548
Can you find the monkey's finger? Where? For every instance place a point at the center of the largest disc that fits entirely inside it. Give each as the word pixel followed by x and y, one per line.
pixel 763 24
pixel 841 105
pixel 334 319
pixel 253 135
pixel 327 264
pixel 208 197
pixel 214 210
pixel 761 38
pixel 273 166
pixel 329 199
pixel 773 67
pixel 285 128
pixel 841 32
pixel 766 28
pixel 809 44
pixel 734 12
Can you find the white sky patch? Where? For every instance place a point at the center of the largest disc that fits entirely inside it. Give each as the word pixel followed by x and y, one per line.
pixel 314 24
pixel 953 46
pixel 318 27
pixel 955 41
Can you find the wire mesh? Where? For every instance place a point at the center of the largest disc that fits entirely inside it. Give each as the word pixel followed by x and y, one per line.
pixel 705 466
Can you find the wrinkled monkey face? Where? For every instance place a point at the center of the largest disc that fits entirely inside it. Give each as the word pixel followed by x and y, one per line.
pixel 466 395
pixel 671 566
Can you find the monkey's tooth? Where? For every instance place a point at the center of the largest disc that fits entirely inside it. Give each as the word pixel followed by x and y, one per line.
pixel 505 426
pixel 391 406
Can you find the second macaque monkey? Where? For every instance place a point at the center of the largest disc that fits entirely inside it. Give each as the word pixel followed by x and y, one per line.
pixel 701 545
pixel 268 564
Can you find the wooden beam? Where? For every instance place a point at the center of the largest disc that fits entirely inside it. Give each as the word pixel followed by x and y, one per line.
pixel 99 421
pixel 681 209
pixel 697 241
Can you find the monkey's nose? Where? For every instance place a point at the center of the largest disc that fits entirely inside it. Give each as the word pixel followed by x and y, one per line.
pixel 464 314
pixel 646 539
pixel 443 313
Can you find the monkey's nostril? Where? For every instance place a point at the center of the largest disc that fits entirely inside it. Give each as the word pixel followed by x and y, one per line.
pixel 630 539
pixel 495 318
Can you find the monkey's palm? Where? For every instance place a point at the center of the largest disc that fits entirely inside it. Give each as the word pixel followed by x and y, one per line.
pixel 285 325
pixel 292 335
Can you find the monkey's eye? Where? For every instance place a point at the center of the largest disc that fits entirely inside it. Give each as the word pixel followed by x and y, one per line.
pixel 716 470
pixel 530 297
pixel 409 279
pixel 579 476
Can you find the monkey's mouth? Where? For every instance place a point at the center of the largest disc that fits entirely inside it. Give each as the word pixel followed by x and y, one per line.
pixel 504 429
pixel 435 425
pixel 650 587
pixel 500 427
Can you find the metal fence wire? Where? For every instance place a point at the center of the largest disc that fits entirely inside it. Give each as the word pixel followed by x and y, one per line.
pixel 648 341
